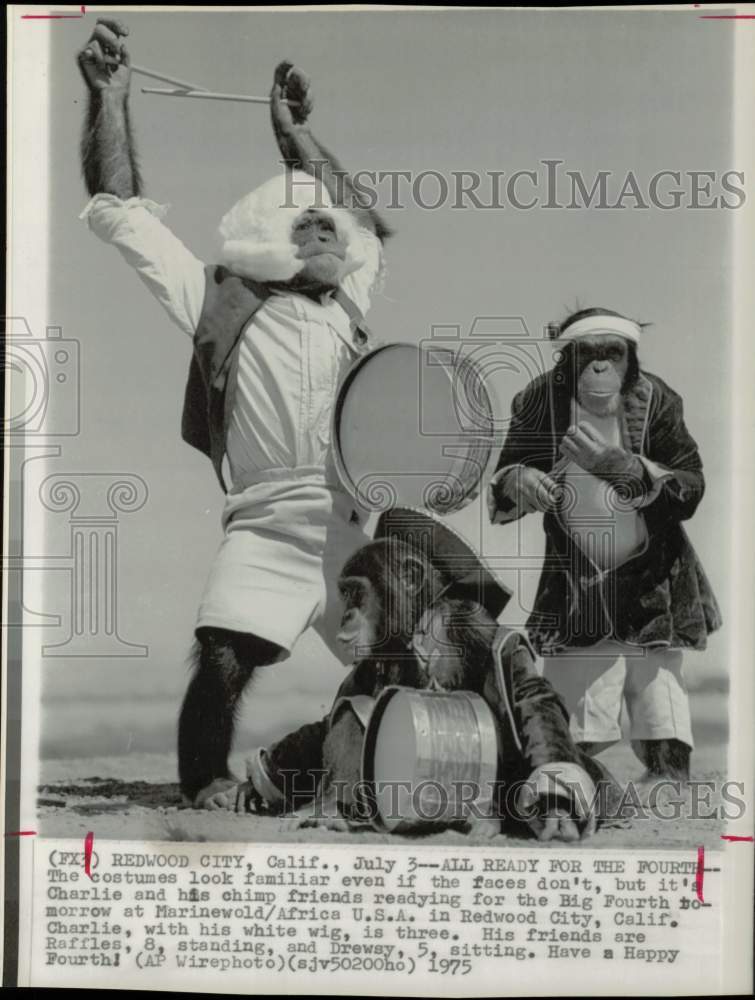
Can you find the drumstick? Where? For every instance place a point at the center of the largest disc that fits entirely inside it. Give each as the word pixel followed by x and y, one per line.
pixel 194 90
pixel 209 95
pixel 165 79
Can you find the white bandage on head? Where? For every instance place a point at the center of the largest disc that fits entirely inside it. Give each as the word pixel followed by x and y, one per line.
pixel 602 323
pixel 256 232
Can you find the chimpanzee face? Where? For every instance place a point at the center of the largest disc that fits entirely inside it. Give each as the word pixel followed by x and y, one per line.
pixel 362 613
pixel 322 249
pixel 384 588
pixel 601 363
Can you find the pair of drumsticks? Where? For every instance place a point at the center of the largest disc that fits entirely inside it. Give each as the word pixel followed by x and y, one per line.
pixel 184 89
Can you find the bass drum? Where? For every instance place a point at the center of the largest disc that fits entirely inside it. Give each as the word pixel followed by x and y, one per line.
pixel 412 427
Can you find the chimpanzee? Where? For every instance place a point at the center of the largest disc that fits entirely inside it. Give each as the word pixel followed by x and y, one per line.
pixel 411 619
pixel 275 325
pixel 600 446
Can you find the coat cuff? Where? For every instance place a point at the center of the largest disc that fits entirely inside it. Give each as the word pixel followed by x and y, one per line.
pixel 657 475
pixel 259 776
pixel 507 510
pixel 559 779
pixel 104 200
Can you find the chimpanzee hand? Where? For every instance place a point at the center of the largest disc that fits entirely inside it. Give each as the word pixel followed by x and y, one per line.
pixel 104 61
pixel 530 489
pixel 550 803
pixel 554 820
pixel 322 813
pixel 556 825
pixel 587 447
pixel 549 818
pixel 290 84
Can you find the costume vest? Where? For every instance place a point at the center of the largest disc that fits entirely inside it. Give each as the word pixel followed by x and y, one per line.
pixel 229 304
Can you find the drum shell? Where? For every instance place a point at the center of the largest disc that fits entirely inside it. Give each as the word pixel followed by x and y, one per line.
pixel 456 741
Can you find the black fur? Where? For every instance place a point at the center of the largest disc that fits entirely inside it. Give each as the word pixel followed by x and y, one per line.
pixel 463 631
pixel 665 758
pixel 108 150
pixel 397 609
pixel 224 662
pixel 567 362
pixel 570 369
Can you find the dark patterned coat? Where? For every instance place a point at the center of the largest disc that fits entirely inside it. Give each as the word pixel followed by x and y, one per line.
pixel 661 595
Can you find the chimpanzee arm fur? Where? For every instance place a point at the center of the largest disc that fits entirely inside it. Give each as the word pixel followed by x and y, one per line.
pixel 108 154
pixel 301 150
pixel 108 157
pixel 295 763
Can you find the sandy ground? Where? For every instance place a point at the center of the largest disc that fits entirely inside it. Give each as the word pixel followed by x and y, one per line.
pixel 135 797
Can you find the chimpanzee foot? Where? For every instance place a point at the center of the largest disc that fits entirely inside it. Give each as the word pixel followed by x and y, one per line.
pixel 594 747
pixel 337 823
pixel 664 759
pixel 559 825
pixel 322 813
pixel 485 826
pixel 221 793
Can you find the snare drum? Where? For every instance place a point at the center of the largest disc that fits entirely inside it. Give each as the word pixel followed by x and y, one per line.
pixel 412 426
pixel 429 758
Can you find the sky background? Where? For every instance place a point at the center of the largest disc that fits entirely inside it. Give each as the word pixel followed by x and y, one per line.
pixel 446 91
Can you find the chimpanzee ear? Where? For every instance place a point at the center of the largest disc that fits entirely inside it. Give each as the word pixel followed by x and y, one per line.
pixel 566 352
pixel 412 573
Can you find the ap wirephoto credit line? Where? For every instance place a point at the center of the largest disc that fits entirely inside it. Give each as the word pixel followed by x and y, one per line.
pixel 378 506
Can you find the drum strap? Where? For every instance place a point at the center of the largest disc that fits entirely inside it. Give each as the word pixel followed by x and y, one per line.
pixel 505 644
pixel 429 642
pixel 356 319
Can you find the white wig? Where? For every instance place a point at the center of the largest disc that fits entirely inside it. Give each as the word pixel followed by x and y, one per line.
pixel 256 232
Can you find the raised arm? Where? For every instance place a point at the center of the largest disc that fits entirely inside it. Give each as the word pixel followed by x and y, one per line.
pixel 300 149
pixel 108 157
pixel 120 217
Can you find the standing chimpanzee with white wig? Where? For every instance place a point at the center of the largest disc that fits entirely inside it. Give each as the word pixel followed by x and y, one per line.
pixel 274 325
pixel 600 446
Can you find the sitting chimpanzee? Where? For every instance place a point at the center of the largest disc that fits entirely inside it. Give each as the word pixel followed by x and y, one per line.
pixel 420 611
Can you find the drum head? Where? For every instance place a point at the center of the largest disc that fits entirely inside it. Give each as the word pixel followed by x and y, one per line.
pixel 395 763
pixel 412 427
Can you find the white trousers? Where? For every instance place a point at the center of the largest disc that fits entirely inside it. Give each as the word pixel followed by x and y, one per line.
pixel 595 681
pixel 276 571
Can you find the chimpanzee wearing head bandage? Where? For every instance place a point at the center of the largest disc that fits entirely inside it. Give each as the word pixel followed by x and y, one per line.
pixel 601 448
